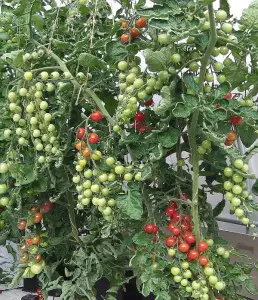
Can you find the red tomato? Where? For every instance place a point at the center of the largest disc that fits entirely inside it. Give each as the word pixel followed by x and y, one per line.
pixel 218 106
pixel 80 133
pixel 135 32
pixel 176 231
pixel 184 196
pixel 47 206
pixel 170 241
pixel 236 120
pixel 203 260
pixel 185 226
pixel 229 96
pixel 22 224
pixel 203 246
pixel 171 226
pixel 35 240
pixel 141 22
pixel 96 116
pixel 187 218
pixel 125 38
pixel 190 238
pixel 93 138
pixel 139 117
pixel 170 211
pixel 184 247
pixel 86 152
pixel 228 142
pixel 148 102
pixel 148 228
pixel 173 203
pixel 28 242
pixel 192 255
pixel 155 229
pixel 37 218
pixel 143 128
pixel 176 216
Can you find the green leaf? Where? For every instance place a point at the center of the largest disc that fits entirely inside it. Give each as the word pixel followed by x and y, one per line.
pixel 109 99
pixel 168 138
pixel 38 22
pixel 14 58
pixel 220 241
pixel 190 101
pixel 181 111
pixel 142 238
pixel 140 3
pixel 4 36
pixel 249 113
pixel 251 286
pixel 90 61
pixel 249 16
pixel 165 102
pixel 116 51
pixel 221 91
pixel 23 174
pixel 247 134
pixel 156 60
pixel 219 208
pixel 225 6
pixel 255 188
pixel 130 204
pixel 158 11
pixel 190 83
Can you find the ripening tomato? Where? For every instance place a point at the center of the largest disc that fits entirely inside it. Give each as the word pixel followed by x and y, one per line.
pixel 170 211
pixel 22 224
pixel 80 146
pixel 229 96
pixel 80 133
pixel 184 247
pixel 170 241
pixel 203 260
pixel 141 22
pixel 28 242
pixel 192 255
pixel 176 216
pixel 228 142
pixel 37 218
pixel 96 116
pixel 135 32
pixel 148 228
pixel 236 120
pixel 139 117
pixel 155 229
pixel 35 240
pixel 38 258
pixel 125 38
pixel 124 23
pixel 144 128
pixel 24 258
pixel 176 231
pixel 86 152
pixel 47 206
pixel 93 138
pixel 231 136
pixel 183 196
pixel 148 102
pixel 203 246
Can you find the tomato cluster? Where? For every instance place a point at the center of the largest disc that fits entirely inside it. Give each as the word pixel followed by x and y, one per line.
pixel 205 147
pixel 236 189
pixel 132 33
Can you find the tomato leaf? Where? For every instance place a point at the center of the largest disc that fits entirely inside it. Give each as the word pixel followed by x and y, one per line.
pixel 219 208
pixel 130 204
pixel 156 60
pixel 116 51
pixel 220 241
pixel 190 83
pixel 168 138
pixel 181 111
pixel 251 287
pixel 247 134
pixel 255 188
pixel 225 6
pixel 142 238
pixel 90 61
pixel 22 173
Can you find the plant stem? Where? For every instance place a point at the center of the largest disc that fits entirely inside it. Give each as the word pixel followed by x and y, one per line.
pixel 193 127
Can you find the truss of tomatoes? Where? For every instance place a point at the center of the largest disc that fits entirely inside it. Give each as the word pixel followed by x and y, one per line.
pixel 133 32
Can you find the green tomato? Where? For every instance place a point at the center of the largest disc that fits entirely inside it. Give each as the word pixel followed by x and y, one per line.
pixel 213 279
pixel 105 191
pixel 164 76
pixel 208 271
pixel 245 168
pixel 236 201
pixel 23 92
pixel 164 39
pixel 175 271
pixel 86 184
pixel 221 15
pixel 175 58
pixel 250 197
pixel 50 87
pixel 227 62
pixel 194 67
pixel 16 117
pixel 196 285
pixel 228 185
pixel 85 201
pixel 237 178
pixel 238 164
pixel 220 286
pixel 55 75
pixel 206 25
pixel 43 105
pixel 210 242
pixel 7 133
pixel 151 82
pixel 138 83
pixel 218 66
pixel 206 144
pixel 28 76
pixel 111 202
pixel 245 221
pixel 128 176
pixel 209 77
pixel 119 170
pixel 215 52
pixel 102 202
pixel 3 188
pixel 44 75
pixel 95 188
pixel 122 65
pixel 201 150
pixel 131 78
pixel 229 196
pixel 4 168
pixel 111 177
pixel 187 274
pixel 184 282
pixel 107 211
pixel 228 172
pixel 36 269
pixel 221 78
pixel 185 265
pixel 142 95
pixel 12 96
pixel 103 177
pixel 171 252
pixel 236 189
pixel 138 176
pixel 189 289
pixel 39 147
pixel 177 279
pixel 221 250
pixel 224 50
pixel 227 28
pixel 87 193
pixel 245 194
pixel 4 201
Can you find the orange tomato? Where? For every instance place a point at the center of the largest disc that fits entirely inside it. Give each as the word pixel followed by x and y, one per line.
pixel 80 146
pixel 231 136
pixel 124 23
pixel 125 38
pixel 86 152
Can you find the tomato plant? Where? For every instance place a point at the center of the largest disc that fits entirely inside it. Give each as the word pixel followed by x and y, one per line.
pixel 93 109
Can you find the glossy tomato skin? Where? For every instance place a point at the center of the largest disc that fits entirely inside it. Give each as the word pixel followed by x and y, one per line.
pixel 22 224
pixel 184 247
pixel 170 211
pixel 228 142
pixel 155 229
pixel 185 226
pixel 141 22
pixel 47 207
pixel 35 240
pixel 37 218
pixel 96 116
pixel 93 138
pixel 148 228
pixel 80 133
pixel 125 38
pixel 139 117
pixel 135 32
pixel 170 241
pixel 231 136
pixel 176 216
pixel 176 231
pixel 80 146
pixel 192 255
pixel 171 227
pixel 190 239
pixel 28 242
pixel 236 120
pixel 187 218
pixel 203 246
pixel 203 260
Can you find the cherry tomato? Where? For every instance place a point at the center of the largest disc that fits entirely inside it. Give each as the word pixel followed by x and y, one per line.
pixel 187 218
pixel 229 96
pixel 155 229
pixel 173 203
pixel 170 241
pixel 38 258
pixel 28 242
pixel 192 255
pixel 231 136
pixel 93 138
pixel 24 258
pixel 96 116
pixel 86 152
pixel 185 226
pixel 35 240
pixel 144 128
pixel 47 207
pixel 139 117
pixel 22 224
pixel 203 246
pixel 190 238
pixel 124 23
pixel 176 231
pixel 184 196
pixel 38 292
pixel 148 228
pixel 80 133
pixel 34 210
pixel 203 260
pixel 125 38
pixel 170 211
pixel 141 22
pixel 135 32
pixel 236 120
pixel 171 227
pixel 80 146
pixel 176 216
pixel 37 218
pixel 228 142
pixel 184 247
pixel 148 102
